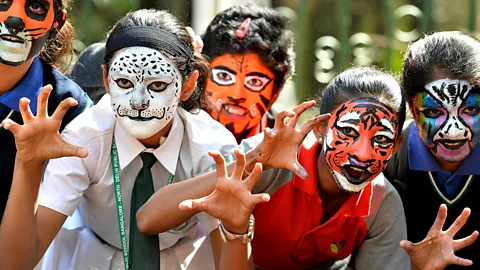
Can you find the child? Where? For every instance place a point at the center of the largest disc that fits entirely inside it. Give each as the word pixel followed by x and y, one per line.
pixel 139 138
pixel 251 52
pixel 437 162
pixel 34 36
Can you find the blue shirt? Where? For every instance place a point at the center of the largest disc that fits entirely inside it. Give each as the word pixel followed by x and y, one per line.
pixel 421 159
pixel 29 87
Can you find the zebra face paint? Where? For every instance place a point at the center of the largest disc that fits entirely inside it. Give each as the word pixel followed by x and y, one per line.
pixel 448 119
pixel 145 88
pixel 359 142
pixel 24 29
pixel 240 91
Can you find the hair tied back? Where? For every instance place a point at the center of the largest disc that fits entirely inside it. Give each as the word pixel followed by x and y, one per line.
pixel 243 29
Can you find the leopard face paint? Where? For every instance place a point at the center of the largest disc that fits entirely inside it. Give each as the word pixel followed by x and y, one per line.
pixel 448 119
pixel 24 29
pixel 359 142
pixel 239 91
pixel 145 88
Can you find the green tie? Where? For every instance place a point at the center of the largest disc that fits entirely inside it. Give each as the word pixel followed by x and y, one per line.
pixel 144 250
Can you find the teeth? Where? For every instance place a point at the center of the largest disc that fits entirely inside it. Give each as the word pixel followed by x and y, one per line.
pixel 234 110
pixel 356 169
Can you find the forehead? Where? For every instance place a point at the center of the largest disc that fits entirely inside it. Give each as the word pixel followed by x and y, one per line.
pixel 242 63
pixel 148 60
pixel 446 92
pixel 368 112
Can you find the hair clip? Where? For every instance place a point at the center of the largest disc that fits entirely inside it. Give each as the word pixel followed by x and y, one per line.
pixel 243 29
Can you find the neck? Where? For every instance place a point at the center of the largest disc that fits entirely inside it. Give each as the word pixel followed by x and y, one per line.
pixel 15 75
pixel 154 141
pixel 450 167
pixel 327 187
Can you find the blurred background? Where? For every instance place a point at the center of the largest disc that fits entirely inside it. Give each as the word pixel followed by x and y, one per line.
pixel 331 35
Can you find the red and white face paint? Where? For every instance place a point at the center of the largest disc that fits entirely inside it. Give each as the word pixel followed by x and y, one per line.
pixel 359 142
pixel 24 28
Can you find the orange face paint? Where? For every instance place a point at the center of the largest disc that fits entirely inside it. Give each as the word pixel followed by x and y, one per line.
pixel 240 91
pixel 24 28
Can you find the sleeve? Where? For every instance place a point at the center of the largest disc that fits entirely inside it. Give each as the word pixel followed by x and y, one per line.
pixel 65 180
pixel 386 228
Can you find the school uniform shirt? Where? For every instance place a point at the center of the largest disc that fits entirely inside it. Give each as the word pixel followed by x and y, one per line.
pixel 423 185
pixel 289 234
pixel 38 75
pixel 90 239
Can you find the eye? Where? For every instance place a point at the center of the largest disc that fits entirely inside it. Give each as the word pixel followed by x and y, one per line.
pixel 256 83
pixel 158 86
pixel 382 140
pixel 124 83
pixel 37 8
pixel 223 77
pixel 432 113
pixel 349 131
pixel 471 111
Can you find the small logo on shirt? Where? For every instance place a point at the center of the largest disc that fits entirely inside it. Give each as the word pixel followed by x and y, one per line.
pixel 178 229
pixel 335 247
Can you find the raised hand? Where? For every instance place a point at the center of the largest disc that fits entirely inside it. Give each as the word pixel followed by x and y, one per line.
pixel 231 201
pixel 280 146
pixel 38 139
pixel 436 251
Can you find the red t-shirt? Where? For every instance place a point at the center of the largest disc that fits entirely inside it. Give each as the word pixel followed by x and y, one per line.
pixel 288 233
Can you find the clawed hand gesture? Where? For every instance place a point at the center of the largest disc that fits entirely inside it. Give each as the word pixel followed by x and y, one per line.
pixel 280 145
pixel 231 201
pixel 436 251
pixel 38 139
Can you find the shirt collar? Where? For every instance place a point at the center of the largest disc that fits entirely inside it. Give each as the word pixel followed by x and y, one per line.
pixel 357 204
pixel 129 147
pixel 421 159
pixel 29 87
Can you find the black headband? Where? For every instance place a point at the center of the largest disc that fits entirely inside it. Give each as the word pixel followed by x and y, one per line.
pixel 148 36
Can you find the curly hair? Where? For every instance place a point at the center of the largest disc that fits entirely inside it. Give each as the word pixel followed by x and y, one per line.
pixel 268 35
pixel 60 42
pixel 166 21
pixel 455 53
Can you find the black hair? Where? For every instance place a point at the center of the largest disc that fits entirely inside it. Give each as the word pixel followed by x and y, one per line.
pixel 453 53
pixel 364 82
pixel 166 21
pixel 268 35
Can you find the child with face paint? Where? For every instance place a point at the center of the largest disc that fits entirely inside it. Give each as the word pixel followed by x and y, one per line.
pixel 345 213
pixel 34 36
pixel 147 133
pixel 251 56
pixel 438 161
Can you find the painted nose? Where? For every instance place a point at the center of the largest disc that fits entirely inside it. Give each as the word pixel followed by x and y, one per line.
pixel 14 24
pixel 454 130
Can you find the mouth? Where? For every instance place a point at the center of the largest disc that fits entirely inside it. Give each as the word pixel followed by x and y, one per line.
pixel 235 110
pixel 452 144
pixel 14 39
pixel 355 174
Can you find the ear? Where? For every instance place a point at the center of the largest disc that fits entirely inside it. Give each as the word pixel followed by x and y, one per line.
pixel 398 144
pixel 60 19
pixel 189 85
pixel 319 130
pixel 105 78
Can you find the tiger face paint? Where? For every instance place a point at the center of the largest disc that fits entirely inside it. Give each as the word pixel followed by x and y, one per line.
pixel 447 114
pixel 359 142
pixel 240 91
pixel 24 29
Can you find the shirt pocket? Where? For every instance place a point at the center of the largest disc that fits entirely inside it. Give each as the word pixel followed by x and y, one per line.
pixel 187 229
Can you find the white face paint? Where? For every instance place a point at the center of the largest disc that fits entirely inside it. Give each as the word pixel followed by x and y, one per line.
pixel 14 49
pixel 145 88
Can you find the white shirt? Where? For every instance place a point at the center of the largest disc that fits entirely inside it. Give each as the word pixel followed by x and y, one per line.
pixel 88 184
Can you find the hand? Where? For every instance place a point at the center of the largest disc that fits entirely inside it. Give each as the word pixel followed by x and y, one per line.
pixel 38 139
pixel 231 201
pixel 280 145
pixel 436 251
pixel 197 41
